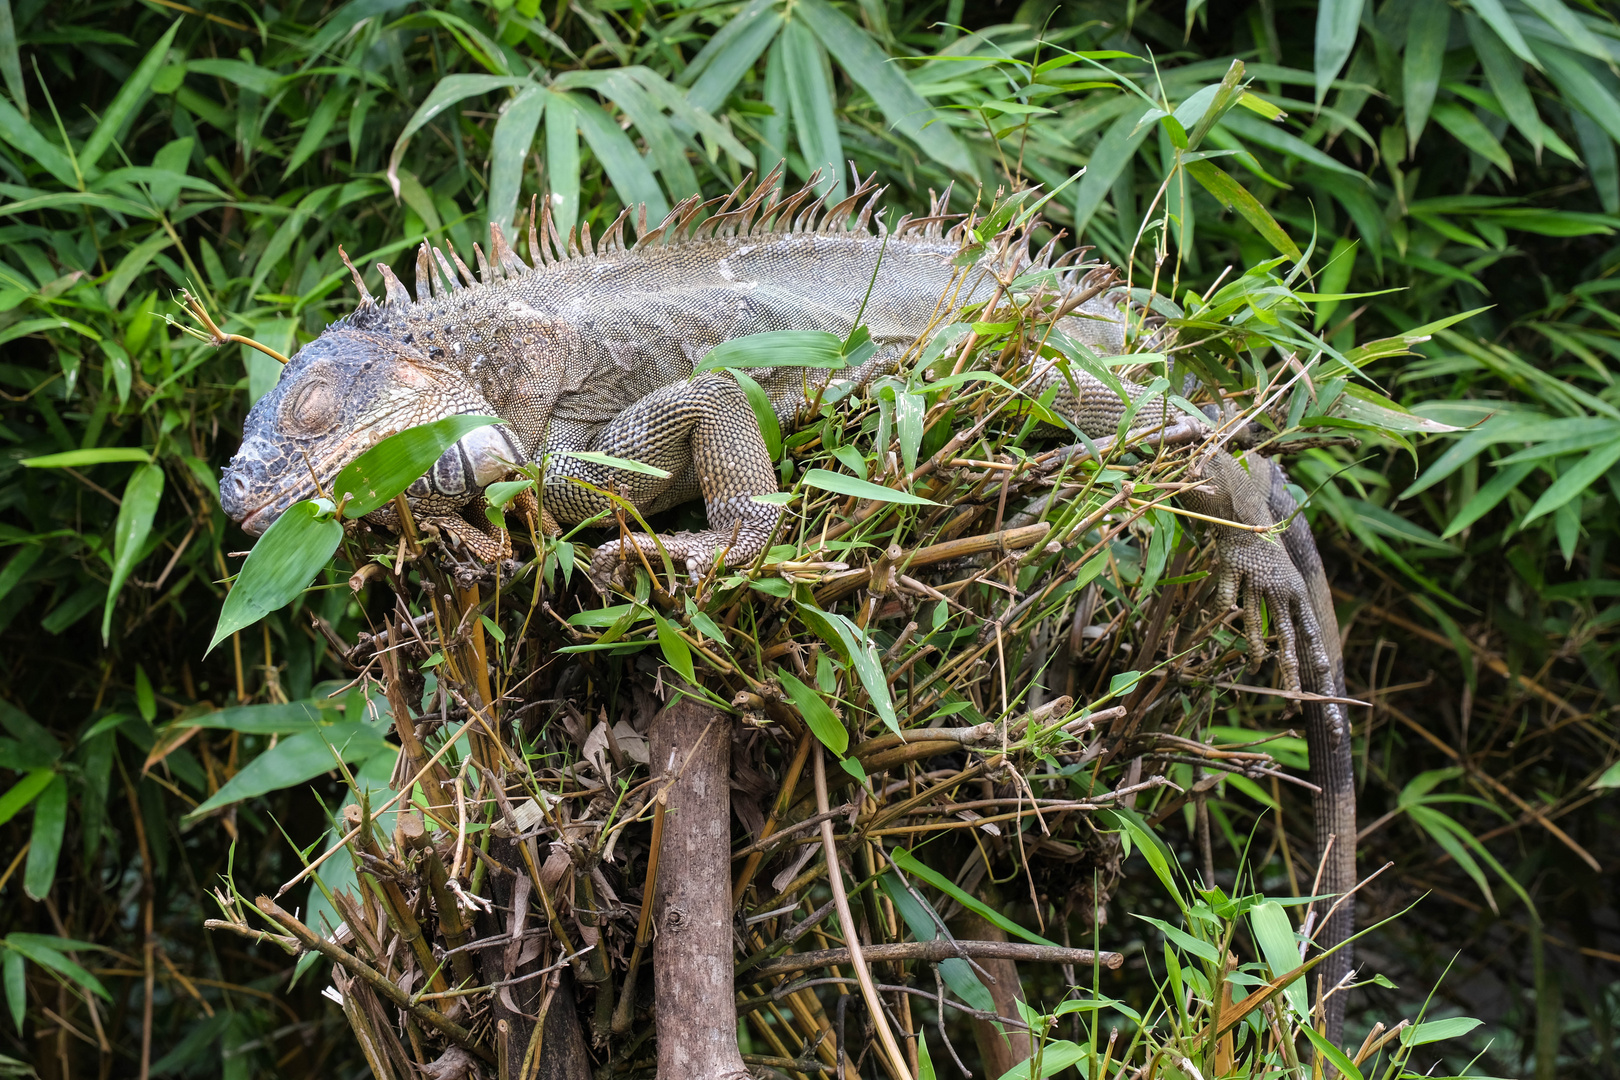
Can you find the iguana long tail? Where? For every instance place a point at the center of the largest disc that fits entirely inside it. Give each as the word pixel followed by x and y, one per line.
pixel 1327 733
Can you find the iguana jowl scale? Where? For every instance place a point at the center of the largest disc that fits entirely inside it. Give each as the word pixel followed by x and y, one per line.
pixel 591 347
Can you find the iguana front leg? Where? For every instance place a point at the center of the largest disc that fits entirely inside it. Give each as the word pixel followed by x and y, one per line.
pixel 703 434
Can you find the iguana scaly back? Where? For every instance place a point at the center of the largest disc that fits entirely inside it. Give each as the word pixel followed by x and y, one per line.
pixel 591 345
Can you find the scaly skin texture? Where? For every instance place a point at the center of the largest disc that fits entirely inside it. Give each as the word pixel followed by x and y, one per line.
pixel 592 348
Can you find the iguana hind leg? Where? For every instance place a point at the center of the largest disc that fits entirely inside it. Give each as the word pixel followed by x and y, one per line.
pixel 703 434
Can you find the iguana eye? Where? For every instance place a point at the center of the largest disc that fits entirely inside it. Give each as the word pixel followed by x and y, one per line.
pixel 309 408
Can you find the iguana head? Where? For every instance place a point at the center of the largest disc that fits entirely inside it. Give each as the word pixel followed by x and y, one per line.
pixel 341 393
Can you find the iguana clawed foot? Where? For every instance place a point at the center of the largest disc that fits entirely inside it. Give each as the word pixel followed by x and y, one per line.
pixel 691 553
pixel 1259 566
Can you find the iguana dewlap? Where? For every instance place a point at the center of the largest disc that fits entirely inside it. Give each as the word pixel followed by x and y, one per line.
pixel 591 347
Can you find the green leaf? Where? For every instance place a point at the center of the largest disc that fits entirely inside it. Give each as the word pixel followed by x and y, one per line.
pixel 509 148
pixel 676 651
pixel 866 65
pixel 1505 74
pixel 1488 497
pixel 730 54
pixel 562 160
pixel 909 863
pixel 1337 22
pixel 620 159
pixel 131 91
pixel 281 565
pixel 78 459
pixel 447 92
pixel 1582 86
pixel 1233 195
pixel 16 979
pixel 764 412
pixel 857 647
pixel 135 514
pixel 816 712
pixel 288 719
pixel 1574 481
pixel 1274 934
pixel 20 794
pixel 315 131
pixel 1339 1058
pixel 16 130
pixel 1427 29
pixel 11 68
pixel 383 471
pixel 775 349
pixel 812 99
pixel 1184 941
pixel 45 841
pixel 838 483
pixel 296 759
pixel 47 952
pixel 1474 135
pixel 596 457
pixel 1112 153
pixel 1436 1030
pixel 1507 32
pixel 1056 1055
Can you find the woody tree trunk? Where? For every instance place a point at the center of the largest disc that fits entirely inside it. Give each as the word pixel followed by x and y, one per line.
pixel 696 1008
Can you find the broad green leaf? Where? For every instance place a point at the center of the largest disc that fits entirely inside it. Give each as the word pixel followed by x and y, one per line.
pixel 816 712
pixel 1232 194
pixel 624 165
pixel 296 759
pixel 447 92
pixel 1505 74
pixel 664 147
pixel 1584 87
pixel 727 56
pixel 677 654
pixel 909 863
pixel 288 719
pixel 1056 1055
pixel 78 459
pixel 776 348
pixel 131 91
pixel 1274 934
pixel 16 130
pixel 1574 481
pixel 45 840
pixel 1435 1030
pixel 1118 145
pixel 383 471
pixel 281 565
pixel 1576 32
pixel 1337 22
pixel 866 64
pixel 1339 1058
pixel 15 975
pixel 1498 19
pixel 250 77
pixel 597 458
pixel 20 794
pixel 1473 134
pixel 46 951
pixel 814 124
pixel 770 429
pixel 509 149
pixel 135 514
pixel 11 69
pixel 924 924
pixel 857 647
pixel 838 483
pixel 1427 28
pixel 131 265
pixel 315 131
pixel 1488 497
pixel 562 161
pixel 1184 941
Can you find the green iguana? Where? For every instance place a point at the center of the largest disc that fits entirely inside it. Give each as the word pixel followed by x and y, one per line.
pixel 591 346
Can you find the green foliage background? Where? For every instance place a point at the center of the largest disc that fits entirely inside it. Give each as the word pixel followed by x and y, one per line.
pixel 1440 157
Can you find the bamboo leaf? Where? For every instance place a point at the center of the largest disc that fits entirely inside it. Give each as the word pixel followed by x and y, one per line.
pixel 562 160
pixel 823 722
pixel 625 168
pixel 1428 27
pixel 1337 22
pixel 1468 130
pixel 870 68
pixel 838 483
pixel 1505 75
pixel 729 55
pixel 11 65
pixel 135 516
pixel 45 840
pixel 814 124
pixel 1507 33
pixel 1232 194
pixel 281 565
pixel 130 93
pixel 509 148
pixel 372 480
pixel 449 91
pixel 1574 481
pixel 296 759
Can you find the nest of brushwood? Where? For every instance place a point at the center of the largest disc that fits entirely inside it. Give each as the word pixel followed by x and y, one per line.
pixel 1013 662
